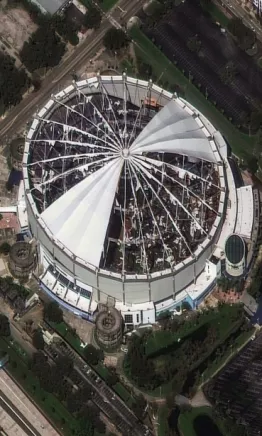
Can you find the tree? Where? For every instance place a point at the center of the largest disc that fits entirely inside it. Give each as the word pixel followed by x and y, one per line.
pixel 228 73
pixel 5 248
pixel 100 426
pixel 205 3
pixel 4 326
pixel 66 29
pixel 256 120
pixel 92 354
pixel 1 217
pixel 53 312
pixel 194 44
pixel 246 38
pixel 92 18
pixel 43 50
pixel 64 365
pixel 112 379
pixel 13 82
pixel 38 340
pixel 139 406
pixel 115 39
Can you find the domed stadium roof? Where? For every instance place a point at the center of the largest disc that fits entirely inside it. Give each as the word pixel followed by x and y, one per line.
pixel 112 176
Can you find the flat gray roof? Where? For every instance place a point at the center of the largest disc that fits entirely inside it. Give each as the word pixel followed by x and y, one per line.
pixel 50 6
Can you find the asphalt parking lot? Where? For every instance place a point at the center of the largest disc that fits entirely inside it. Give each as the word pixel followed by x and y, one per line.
pixel 187 20
pixel 238 388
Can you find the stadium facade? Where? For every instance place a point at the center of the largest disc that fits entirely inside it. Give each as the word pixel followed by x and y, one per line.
pixel 131 196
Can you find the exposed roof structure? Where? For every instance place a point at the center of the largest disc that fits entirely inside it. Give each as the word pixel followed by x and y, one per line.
pixel 79 218
pixel 142 178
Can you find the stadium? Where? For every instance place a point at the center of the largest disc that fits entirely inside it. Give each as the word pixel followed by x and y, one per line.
pixel 131 196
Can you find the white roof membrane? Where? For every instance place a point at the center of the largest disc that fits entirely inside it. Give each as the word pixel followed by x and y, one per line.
pixel 79 218
pixel 174 130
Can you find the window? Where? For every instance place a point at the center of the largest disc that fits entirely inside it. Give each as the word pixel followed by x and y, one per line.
pixel 137 317
pixel 128 319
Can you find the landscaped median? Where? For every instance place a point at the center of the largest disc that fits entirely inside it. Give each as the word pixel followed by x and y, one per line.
pixel 74 341
pixel 242 144
pixel 54 410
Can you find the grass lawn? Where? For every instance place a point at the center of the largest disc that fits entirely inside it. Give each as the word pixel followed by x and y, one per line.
pixel 186 420
pixel 128 67
pixel 225 328
pixel 53 409
pixel 108 4
pixel 161 339
pixel 241 143
pixel 162 417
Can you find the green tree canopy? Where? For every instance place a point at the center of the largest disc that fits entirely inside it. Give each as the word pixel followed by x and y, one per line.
pixel 5 248
pixel 44 49
pixel 112 379
pixel 92 354
pixel 4 326
pixel 93 18
pixel 53 312
pixel 115 39
pixel 64 365
pixel 38 340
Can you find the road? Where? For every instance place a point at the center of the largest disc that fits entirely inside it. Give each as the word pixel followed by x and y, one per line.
pixel 16 416
pixel 17 118
pixel 234 7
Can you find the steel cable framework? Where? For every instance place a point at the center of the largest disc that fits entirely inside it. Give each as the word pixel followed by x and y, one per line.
pixel 127 179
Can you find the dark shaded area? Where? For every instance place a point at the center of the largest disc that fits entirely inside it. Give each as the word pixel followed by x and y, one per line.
pixel 15 177
pixel 206 68
pixel 173 419
pixel 198 335
pixel 204 426
pixel 235 249
pixel 237 390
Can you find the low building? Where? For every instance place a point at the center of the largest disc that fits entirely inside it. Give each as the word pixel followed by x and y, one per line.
pixel 9 225
pixel 51 6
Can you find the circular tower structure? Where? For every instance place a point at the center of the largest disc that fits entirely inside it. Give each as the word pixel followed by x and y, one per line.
pixel 22 259
pixel 108 329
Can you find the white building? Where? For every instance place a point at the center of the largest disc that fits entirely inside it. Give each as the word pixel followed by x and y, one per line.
pixel 131 196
